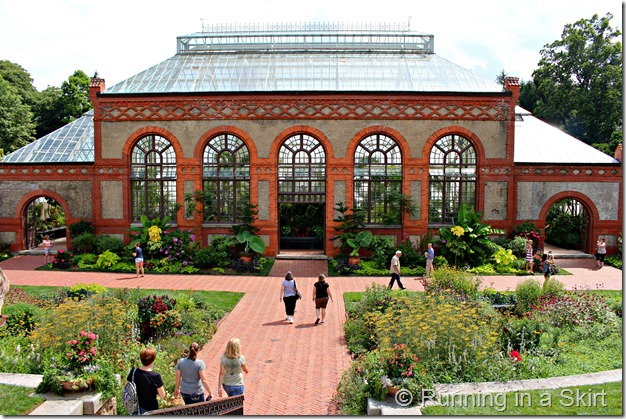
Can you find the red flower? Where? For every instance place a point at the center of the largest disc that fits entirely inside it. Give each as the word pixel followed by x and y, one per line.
pixel 515 356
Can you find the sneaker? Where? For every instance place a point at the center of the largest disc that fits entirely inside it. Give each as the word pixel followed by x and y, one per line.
pixel 317 321
pixel 291 320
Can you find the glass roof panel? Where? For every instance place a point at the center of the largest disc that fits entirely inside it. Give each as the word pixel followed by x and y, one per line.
pixel 72 143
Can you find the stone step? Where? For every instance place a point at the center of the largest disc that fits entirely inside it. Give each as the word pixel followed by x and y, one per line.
pixel 59 408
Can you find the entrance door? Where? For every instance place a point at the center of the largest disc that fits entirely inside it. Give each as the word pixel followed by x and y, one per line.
pixel 302 193
pixel 30 226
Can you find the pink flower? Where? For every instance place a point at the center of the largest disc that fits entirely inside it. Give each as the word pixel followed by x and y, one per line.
pixel 515 356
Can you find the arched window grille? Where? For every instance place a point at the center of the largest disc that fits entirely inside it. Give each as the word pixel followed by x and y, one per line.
pixel 452 175
pixel 301 170
pixel 225 179
pixel 153 178
pixel 378 179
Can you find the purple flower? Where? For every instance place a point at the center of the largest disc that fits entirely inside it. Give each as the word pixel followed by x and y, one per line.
pixel 185 263
pixel 192 237
pixel 175 240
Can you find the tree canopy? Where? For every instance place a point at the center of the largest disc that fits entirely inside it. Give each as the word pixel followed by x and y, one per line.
pixel 578 82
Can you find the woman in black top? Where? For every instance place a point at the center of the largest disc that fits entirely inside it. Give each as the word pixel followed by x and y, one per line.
pixel 321 293
pixel 149 383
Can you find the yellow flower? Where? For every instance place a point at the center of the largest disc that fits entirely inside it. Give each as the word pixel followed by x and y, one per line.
pixel 155 233
pixel 457 231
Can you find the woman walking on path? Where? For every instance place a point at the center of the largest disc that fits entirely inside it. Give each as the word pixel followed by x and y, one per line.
pixel 149 383
pixel 600 252
pixel 288 296
pixel 529 257
pixel 321 293
pixel 191 377
pixel 232 367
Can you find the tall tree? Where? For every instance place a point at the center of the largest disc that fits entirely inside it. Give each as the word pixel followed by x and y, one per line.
pixel 20 79
pixel 75 96
pixel 579 80
pixel 16 119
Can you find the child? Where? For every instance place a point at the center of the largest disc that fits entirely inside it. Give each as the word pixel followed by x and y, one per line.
pixel 47 245
pixel 545 268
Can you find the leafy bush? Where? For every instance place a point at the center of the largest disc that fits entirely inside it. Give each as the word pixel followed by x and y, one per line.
pixel 459 282
pixel 150 306
pixel 615 261
pixel 105 242
pixel 520 333
pixel 83 291
pixel 62 259
pixel 411 256
pixel 574 308
pixel 527 293
pixel 178 246
pixel 85 243
pixel 80 227
pixel 86 260
pixel 517 246
pixel 18 356
pixel 107 259
pixel 381 247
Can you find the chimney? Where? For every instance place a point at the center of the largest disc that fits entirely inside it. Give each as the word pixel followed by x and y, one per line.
pixel 511 84
pixel 95 86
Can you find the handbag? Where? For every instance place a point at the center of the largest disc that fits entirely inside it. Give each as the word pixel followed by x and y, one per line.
pixel 295 287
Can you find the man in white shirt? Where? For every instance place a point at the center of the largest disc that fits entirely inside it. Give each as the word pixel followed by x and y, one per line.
pixel 394 270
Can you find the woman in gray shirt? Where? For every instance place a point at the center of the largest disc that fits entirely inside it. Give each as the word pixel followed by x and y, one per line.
pixel 191 377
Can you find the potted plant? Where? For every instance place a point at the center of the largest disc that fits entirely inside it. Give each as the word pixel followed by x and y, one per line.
pixel 362 239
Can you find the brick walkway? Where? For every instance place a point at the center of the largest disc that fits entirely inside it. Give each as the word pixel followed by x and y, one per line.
pixel 294 369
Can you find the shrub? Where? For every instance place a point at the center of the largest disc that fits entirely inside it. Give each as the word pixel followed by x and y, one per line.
pixel 150 306
pixel 527 293
pixel 85 260
pixel 411 256
pixel 520 333
pixel 62 259
pixel 18 356
pixel 553 287
pixel 451 279
pixel 85 243
pixel 81 227
pixel 574 308
pixel 381 247
pixel 517 245
pixel 105 242
pixel 107 259
pixel 83 291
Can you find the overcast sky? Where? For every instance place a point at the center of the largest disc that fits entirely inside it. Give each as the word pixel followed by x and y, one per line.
pixel 120 38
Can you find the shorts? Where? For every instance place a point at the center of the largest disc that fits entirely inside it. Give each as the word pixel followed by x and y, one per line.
pixel 47 251
pixel 194 398
pixel 232 390
pixel 138 260
pixel 600 256
pixel 321 302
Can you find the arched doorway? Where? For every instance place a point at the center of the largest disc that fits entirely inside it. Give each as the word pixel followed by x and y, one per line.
pixel 43 216
pixel 301 193
pixel 568 225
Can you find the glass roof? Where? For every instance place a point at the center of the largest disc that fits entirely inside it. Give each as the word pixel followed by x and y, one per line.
pixel 314 57
pixel 72 143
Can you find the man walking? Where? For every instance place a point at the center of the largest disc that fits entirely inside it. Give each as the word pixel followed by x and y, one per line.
pixel 430 255
pixel 394 270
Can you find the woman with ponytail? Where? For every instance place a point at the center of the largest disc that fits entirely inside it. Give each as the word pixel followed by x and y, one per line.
pixel 191 377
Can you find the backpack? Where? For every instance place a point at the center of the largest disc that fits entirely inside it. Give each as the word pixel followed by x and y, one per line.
pixel 129 395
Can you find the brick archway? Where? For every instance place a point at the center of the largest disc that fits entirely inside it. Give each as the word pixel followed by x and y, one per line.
pixel 21 213
pixel 589 207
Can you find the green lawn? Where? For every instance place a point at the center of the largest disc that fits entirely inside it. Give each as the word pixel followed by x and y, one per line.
pixel 16 401
pixel 600 400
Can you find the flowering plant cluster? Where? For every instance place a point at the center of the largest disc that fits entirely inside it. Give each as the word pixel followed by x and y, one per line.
pixel 178 246
pixel 82 350
pixel 402 362
pixel 516 356
pixel 62 259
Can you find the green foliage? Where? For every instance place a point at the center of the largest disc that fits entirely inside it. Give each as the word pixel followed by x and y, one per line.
pixel 565 227
pixel 105 242
pixel 450 279
pixel 527 293
pixel 517 245
pixel 411 256
pixel 250 241
pixel 615 261
pixel 23 318
pixel 350 222
pixel 17 355
pixel 17 129
pixel 217 254
pixel 249 214
pixel 362 239
pixel 83 291
pixel 86 260
pixel 107 259
pixel 142 234
pixel 579 80
pixel 467 242
pixel 85 243
pixel 80 227
pixel 18 401
pixel 520 333
pixel 381 247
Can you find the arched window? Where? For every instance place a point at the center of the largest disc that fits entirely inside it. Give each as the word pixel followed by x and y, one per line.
pixel 153 178
pixel 378 179
pixel 225 179
pixel 452 175
pixel 301 170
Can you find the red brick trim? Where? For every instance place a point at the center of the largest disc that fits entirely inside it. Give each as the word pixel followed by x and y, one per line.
pixel 458 130
pixel 225 129
pixel 150 130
